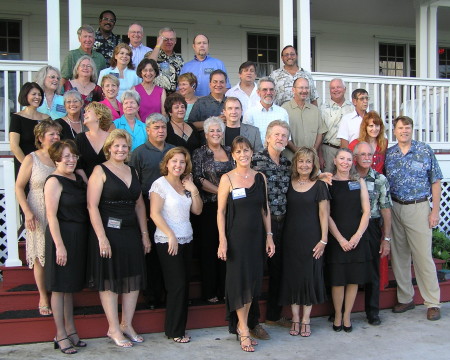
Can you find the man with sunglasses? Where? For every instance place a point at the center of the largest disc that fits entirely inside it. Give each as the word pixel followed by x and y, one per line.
pixel 105 40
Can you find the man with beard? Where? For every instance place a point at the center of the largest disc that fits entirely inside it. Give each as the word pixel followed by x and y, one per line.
pixel 203 65
pixel 105 40
pixel 265 111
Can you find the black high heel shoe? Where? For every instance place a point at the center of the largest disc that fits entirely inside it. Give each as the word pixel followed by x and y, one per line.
pixel 80 343
pixel 338 328
pixel 348 329
pixel 68 350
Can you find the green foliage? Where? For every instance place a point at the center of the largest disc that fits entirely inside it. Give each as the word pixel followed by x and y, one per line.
pixel 441 247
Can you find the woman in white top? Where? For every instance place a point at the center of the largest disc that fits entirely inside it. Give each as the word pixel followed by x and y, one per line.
pixel 122 67
pixel 172 197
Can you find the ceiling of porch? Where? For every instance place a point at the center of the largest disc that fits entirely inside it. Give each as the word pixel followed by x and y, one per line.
pixel 380 12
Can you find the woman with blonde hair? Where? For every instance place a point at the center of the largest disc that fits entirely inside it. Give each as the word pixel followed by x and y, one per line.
pixel 35 168
pixel 119 238
pixel 97 118
pixel 110 85
pixel 49 79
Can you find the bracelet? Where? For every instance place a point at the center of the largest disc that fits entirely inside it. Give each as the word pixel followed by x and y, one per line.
pixel 194 195
pixel 323 242
pixel 388 239
pixel 144 232
pixel 157 46
pixel 270 233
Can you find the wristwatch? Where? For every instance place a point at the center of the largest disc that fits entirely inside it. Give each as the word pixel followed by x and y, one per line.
pixel 388 239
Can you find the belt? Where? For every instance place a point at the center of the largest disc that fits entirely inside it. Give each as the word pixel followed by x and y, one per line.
pixel 331 145
pixel 409 202
pixel 277 218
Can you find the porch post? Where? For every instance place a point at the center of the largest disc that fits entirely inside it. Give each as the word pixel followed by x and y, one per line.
pixel 304 34
pixel 432 42
pixel 11 212
pixel 421 41
pixel 74 23
pixel 53 33
pixel 286 23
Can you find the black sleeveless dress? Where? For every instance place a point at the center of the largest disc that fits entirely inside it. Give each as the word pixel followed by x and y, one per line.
pixel 125 270
pixel 246 245
pixel 302 280
pixel 346 267
pixel 73 219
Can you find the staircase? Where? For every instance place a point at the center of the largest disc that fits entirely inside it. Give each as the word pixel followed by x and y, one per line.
pixel 20 321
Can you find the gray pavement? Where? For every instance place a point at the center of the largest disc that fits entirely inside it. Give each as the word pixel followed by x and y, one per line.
pixel 406 336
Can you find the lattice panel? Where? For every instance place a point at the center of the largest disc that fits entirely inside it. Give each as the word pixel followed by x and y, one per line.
pixel 444 225
pixel 3 249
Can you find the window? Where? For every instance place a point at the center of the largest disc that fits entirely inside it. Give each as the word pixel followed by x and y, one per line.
pixel 10 39
pixel 264 50
pixel 444 62
pixel 392 59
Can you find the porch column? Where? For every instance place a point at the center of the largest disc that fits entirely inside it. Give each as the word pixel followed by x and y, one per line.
pixel 11 213
pixel 421 41
pixel 304 34
pixel 74 23
pixel 286 23
pixel 53 33
pixel 432 42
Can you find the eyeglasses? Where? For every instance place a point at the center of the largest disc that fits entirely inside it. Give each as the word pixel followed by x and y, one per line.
pixel 135 32
pixel 84 66
pixel 72 101
pixel 170 39
pixel 364 98
pixel 212 131
pixel 109 20
pixel 290 55
pixel 53 77
pixel 70 157
pixel 363 154
pixel 302 87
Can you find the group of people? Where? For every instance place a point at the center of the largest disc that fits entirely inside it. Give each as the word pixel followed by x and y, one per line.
pixel 115 180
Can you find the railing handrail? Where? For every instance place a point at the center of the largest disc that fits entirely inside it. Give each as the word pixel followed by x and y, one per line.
pixel 378 79
pixel 21 65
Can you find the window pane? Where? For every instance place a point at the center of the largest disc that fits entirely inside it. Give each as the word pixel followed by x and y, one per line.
pixel 3 27
pixel 3 45
pixel 262 56
pixel 13 28
pixel 252 41
pixel 262 42
pixel 14 46
pixel 273 56
pixel 252 55
pixel 272 42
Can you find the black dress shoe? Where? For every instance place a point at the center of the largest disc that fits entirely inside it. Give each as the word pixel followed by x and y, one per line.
pixel 374 320
pixel 337 328
pixel 348 329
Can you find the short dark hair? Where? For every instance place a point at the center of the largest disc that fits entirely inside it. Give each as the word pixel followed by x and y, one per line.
pixel 173 99
pixel 246 65
pixel 218 71
pixel 239 141
pixel 58 147
pixel 288 46
pixel 358 92
pixel 106 12
pixel 406 120
pixel 25 90
pixel 144 63
pixel 195 37
pixel 231 98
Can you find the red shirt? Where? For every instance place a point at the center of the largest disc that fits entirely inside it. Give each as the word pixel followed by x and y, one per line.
pixel 378 157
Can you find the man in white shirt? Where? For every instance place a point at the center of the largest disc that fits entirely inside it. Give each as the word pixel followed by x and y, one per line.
pixel 136 34
pixel 350 123
pixel 246 89
pixel 263 113
pixel 332 112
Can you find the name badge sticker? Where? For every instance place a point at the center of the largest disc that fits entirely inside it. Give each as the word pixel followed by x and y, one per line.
pixel 115 74
pixel 238 193
pixel 354 185
pixel 370 185
pixel 114 223
pixel 208 70
pixel 416 165
pixel 60 108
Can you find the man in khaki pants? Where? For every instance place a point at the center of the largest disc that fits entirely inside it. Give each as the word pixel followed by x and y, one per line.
pixel 413 174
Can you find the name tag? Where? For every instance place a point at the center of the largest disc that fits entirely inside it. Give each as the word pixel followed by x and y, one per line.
pixel 416 165
pixel 114 74
pixel 354 185
pixel 370 185
pixel 208 70
pixel 238 193
pixel 60 108
pixel 114 223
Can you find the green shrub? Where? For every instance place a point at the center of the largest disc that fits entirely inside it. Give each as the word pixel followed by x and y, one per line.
pixel 441 247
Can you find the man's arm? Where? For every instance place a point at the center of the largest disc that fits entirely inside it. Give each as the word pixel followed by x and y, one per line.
pixel 154 54
pixel 385 246
pixel 433 218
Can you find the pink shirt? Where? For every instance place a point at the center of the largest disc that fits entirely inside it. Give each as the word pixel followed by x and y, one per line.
pixel 149 103
pixel 115 114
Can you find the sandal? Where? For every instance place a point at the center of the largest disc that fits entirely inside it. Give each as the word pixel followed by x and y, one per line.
pixel 238 333
pixel 246 348
pixel 182 339
pixel 79 343
pixel 133 337
pixel 293 331
pixel 45 310
pixel 68 350
pixel 124 343
pixel 304 330
pixel 213 300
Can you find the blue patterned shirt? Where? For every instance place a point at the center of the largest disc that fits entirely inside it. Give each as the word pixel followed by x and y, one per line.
pixel 411 175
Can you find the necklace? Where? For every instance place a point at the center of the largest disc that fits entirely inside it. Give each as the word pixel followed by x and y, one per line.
pixel 71 128
pixel 302 182
pixel 184 136
pixel 242 176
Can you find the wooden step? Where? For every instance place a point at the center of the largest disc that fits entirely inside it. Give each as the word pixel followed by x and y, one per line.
pixel 34 328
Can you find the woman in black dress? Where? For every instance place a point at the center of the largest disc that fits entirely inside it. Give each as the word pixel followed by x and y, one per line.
pixel 66 241
pixel 210 162
pixel 348 251
pixel 72 122
pixel 179 132
pixel 242 219
pixel 97 117
pixel 305 236
pixel 119 237
pixel 21 128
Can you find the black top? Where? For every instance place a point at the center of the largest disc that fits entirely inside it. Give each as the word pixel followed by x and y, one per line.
pixel 25 128
pixel 68 133
pixel 192 143
pixel 88 157
pixel 231 134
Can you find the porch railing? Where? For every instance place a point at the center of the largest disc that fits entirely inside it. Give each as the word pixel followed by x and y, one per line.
pixel 426 101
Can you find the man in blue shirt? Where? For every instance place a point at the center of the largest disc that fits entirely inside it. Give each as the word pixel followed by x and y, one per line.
pixel 413 174
pixel 203 65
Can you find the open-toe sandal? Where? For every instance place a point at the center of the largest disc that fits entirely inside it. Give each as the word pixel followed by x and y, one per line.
pixel 305 330
pixel 293 331
pixel 246 348
pixel 182 339
pixel 79 343
pixel 68 350
pixel 123 343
